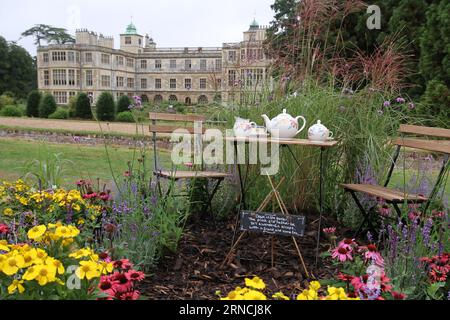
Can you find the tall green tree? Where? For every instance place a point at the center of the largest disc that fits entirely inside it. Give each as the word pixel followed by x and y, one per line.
pixel 50 34
pixel 17 69
pixel 33 101
pixel 83 107
pixel 106 108
pixel 123 104
pixel 47 106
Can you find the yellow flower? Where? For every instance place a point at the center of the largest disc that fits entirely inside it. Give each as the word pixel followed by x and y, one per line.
pixel 88 270
pixel 254 295
pixel 336 294
pixel 16 285
pixel 45 274
pixel 73 231
pixel 4 246
pixel 82 253
pixel 80 222
pixel 23 201
pixel 308 295
pixel 29 257
pixel 40 256
pixel 62 232
pixel 12 265
pixel 31 273
pixel 55 263
pixel 315 285
pixel 8 212
pixel 280 296
pixel 255 283
pixel 106 267
pixel 36 232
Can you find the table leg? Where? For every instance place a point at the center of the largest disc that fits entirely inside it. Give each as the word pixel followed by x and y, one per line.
pixel 322 202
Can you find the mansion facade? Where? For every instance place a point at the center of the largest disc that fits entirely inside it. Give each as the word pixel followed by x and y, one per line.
pixel 188 75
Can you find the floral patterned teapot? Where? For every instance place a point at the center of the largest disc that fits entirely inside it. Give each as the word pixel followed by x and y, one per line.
pixel 319 133
pixel 243 127
pixel 284 126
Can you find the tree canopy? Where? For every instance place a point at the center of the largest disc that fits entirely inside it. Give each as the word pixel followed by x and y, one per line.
pixel 50 34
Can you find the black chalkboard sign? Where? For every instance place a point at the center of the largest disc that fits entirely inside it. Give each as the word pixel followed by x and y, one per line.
pixel 273 223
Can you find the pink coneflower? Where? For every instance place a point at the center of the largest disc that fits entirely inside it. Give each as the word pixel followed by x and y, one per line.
pixel 4 229
pixel 414 215
pixel 345 277
pixel 121 284
pixel 342 254
pixel 123 264
pixel 385 211
pixel 398 295
pixel 134 295
pixel 385 283
pixel 104 256
pixel 330 230
pixel 372 254
pixel 134 275
pixel 347 244
pixel 104 196
pixel 107 287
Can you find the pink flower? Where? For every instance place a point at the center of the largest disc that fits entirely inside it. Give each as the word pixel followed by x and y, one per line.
pixel 347 244
pixel 133 295
pixel 123 264
pixel 107 286
pixel 385 211
pixel 342 254
pixel 189 164
pixel 372 254
pixel 4 229
pixel 134 275
pixel 330 230
pixel 120 283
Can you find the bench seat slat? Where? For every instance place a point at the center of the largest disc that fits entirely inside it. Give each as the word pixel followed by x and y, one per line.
pixel 429 145
pixel 384 193
pixel 425 131
pixel 176 117
pixel 178 175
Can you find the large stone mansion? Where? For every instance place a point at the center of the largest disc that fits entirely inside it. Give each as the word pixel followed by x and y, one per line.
pixel 139 67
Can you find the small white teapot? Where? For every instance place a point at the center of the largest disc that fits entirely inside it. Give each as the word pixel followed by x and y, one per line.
pixel 284 126
pixel 243 127
pixel 319 133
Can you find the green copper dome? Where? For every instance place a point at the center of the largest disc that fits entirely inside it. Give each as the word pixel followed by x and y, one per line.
pixel 254 25
pixel 131 29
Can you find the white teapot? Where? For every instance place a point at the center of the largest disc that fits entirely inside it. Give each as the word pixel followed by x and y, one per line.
pixel 243 127
pixel 319 133
pixel 284 126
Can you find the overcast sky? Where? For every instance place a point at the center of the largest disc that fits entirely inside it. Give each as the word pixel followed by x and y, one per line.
pixel 176 23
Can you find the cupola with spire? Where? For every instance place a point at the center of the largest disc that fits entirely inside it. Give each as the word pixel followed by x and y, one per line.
pixel 131 41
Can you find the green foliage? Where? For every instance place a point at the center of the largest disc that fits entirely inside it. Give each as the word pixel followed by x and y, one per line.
pixel 49 34
pixel 6 100
pixel 106 108
pixel 435 42
pixel 34 99
pixel 126 116
pixel 123 104
pixel 437 99
pixel 47 106
pixel 83 107
pixel 72 107
pixel 49 170
pixel 60 113
pixel 11 111
pixel 18 69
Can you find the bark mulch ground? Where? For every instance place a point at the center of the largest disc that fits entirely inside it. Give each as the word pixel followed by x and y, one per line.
pixel 195 272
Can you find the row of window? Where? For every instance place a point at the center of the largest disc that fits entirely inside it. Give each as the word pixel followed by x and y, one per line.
pixel 248 77
pixel 121 61
pixel 249 54
pixel 71 77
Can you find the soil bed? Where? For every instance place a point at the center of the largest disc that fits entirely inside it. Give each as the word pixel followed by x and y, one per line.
pixel 195 271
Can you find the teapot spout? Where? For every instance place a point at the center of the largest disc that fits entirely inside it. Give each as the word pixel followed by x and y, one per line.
pixel 267 121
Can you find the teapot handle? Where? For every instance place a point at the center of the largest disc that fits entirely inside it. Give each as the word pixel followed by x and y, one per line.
pixel 304 123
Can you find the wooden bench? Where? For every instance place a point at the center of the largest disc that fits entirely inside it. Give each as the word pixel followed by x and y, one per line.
pixel 396 197
pixel 194 125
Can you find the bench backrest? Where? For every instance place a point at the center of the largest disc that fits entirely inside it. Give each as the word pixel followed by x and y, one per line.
pixel 168 117
pixel 440 146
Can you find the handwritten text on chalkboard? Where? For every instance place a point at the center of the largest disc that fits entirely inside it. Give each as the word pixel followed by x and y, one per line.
pixel 272 223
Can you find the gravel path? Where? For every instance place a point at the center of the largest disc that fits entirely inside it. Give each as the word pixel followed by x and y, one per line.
pixel 74 125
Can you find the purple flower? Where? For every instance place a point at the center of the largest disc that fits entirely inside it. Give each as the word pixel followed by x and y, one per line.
pixel 387 104
pixel 76 139
pixel 400 100
pixel 411 106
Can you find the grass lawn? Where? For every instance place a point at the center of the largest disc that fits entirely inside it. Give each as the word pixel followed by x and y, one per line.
pixel 87 162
